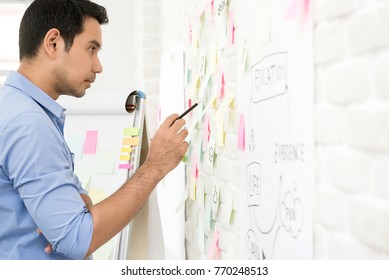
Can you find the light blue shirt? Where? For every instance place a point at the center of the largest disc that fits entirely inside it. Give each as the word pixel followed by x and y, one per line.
pixel 38 188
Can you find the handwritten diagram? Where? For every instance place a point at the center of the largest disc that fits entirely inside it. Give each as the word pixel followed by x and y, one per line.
pixel 278 156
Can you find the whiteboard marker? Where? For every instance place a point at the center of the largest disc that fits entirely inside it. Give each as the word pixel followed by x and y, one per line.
pixel 187 111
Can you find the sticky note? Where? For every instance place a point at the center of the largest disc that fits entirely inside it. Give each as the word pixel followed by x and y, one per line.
pixel 212 59
pixel 241 134
pixel 297 6
pixel 221 7
pixel 126 150
pixel 207 215
pixel 90 143
pixel 125 166
pixel 243 57
pixel 97 195
pixel 125 157
pixel 200 197
pixel 227 102
pixel 231 28
pixel 220 134
pixel 75 144
pixel 227 208
pixel 204 86
pixel 195 39
pixel 134 141
pixel 210 154
pixel 192 191
pixel 215 197
pixel 105 162
pixel 220 82
pixel 214 246
pixel 202 62
pixel 131 131
pixel 190 33
pixel 195 170
pixel 206 129
pixel 130 141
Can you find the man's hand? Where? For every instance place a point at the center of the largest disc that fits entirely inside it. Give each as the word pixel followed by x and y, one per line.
pixel 168 145
pixel 48 248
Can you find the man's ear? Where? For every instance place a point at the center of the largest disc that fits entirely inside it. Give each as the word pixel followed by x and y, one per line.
pixel 52 42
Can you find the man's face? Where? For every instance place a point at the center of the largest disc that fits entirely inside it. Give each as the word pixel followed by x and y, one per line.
pixel 77 69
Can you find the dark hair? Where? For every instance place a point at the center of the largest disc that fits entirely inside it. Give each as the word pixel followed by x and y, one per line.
pixel 68 16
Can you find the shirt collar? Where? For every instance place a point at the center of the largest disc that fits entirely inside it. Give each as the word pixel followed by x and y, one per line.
pixel 17 80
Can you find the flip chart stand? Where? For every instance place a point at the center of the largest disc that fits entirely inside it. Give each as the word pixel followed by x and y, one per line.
pixel 136 106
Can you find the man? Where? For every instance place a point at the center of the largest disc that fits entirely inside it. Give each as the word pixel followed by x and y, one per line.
pixel 44 211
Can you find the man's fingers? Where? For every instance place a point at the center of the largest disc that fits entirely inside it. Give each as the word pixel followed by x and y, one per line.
pixel 169 121
pixel 183 133
pixel 48 249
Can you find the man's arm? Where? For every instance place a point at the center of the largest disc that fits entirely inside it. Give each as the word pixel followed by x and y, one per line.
pixel 115 212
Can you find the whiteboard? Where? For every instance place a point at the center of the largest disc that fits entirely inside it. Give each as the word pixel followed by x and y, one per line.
pixel 277 168
pixel 99 181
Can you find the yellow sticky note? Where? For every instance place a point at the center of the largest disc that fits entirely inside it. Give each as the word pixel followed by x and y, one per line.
pixel 125 157
pixel 126 150
pixel 195 39
pixel 192 194
pixel 212 59
pixel 131 131
pixel 97 195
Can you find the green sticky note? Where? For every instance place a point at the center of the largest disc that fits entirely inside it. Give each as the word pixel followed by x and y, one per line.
pixel 131 131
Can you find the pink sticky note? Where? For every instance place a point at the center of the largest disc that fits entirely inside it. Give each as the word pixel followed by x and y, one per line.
pixel 125 166
pixel 307 4
pixel 213 247
pixel 294 7
pixel 190 32
pixel 220 82
pixel 231 28
pixel 241 134
pixel 90 142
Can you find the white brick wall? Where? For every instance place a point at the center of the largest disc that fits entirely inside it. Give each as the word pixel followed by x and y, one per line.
pixel 351 129
pixel 351 206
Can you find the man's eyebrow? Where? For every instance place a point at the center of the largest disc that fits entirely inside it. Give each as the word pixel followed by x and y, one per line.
pixel 96 43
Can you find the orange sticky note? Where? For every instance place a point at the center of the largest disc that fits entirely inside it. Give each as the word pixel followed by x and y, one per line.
pixel 134 141
pixel 90 142
pixel 130 141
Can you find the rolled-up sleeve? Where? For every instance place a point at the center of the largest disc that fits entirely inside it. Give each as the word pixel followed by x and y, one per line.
pixel 42 174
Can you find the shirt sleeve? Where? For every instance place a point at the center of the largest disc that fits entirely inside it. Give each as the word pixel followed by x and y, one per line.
pixel 37 163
